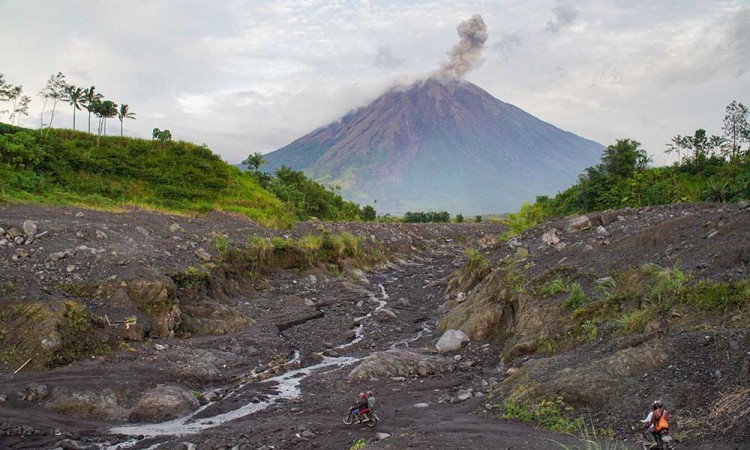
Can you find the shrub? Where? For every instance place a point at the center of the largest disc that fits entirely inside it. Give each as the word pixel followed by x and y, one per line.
pixel 576 297
pixel 554 287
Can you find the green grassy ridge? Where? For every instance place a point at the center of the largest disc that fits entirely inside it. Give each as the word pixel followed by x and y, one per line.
pixel 61 166
pixel 711 180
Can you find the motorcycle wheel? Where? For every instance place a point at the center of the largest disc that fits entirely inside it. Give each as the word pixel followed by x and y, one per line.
pixel 373 421
pixel 349 419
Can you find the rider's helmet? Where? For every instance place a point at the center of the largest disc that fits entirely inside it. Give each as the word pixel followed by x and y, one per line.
pixel 361 395
pixel 370 393
pixel 657 404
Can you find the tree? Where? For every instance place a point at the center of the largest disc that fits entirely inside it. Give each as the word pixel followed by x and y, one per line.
pixel 123 114
pixel 255 161
pixel 736 129
pixel 369 214
pixel 624 158
pixel 90 98
pixel 4 91
pixel 459 218
pixel 20 105
pixel 161 135
pixel 54 91
pixel 75 97
pixel 477 219
pixel 700 145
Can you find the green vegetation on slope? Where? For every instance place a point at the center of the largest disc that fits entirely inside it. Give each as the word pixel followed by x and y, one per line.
pixel 710 169
pixel 71 167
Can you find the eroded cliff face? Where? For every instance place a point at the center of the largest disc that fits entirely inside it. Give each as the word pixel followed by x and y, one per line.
pixel 602 311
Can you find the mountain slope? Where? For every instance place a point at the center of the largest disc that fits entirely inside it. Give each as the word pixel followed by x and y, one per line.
pixel 440 145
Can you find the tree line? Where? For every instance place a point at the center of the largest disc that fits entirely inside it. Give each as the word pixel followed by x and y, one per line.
pixel 58 90
pixel 714 168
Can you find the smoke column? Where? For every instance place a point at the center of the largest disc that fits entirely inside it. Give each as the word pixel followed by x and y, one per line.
pixel 465 55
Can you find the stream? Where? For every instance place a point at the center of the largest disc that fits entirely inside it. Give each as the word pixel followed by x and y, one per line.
pixel 287 387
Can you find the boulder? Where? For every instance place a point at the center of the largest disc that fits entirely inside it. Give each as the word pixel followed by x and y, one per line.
pixel 451 341
pixel 400 363
pixel 162 403
pixel 550 237
pixel 29 228
pixel 577 224
pixel 202 254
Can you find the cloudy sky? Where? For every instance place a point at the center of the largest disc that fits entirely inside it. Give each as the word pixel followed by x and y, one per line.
pixel 247 76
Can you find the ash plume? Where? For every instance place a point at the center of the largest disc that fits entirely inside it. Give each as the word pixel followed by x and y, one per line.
pixel 465 55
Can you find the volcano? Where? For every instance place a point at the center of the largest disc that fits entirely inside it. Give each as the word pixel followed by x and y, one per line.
pixel 440 145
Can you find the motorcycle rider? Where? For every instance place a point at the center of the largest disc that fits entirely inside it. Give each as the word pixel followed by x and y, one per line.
pixel 654 425
pixel 370 401
pixel 361 407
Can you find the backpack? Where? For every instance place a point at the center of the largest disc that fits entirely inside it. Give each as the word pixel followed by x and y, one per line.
pixel 661 420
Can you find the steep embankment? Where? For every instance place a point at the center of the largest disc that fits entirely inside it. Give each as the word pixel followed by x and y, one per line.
pixel 73 167
pixel 610 311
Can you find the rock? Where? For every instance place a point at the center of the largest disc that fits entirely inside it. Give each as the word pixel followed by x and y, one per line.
pixel 100 234
pixel 20 240
pixel 312 279
pixel 3 398
pixel 309 302
pixel 160 347
pixel 56 256
pixel 20 254
pixel 461 297
pixel 463 395
pixel 387 314
pixel 13 233
pixel 79 214
pixel 734 345
pixel 451 340
pixel 380 436
pixel 510 372
pixel 601 231
pixel 711 234
pixel 514 243
pixel 550 237
pixel 577 224
pixel 308 434
pixel 186 446
pixel 70 268
pixel 175 227
pixel 68 444
pixel 400 363
pixel 457 358
pixel 421 405
pixel 142 230
pixel 29 228
pixel 163 402
pixel 202 254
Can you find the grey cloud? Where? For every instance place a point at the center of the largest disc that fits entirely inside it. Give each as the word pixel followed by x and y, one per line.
pixel 467 53
pixel 565 15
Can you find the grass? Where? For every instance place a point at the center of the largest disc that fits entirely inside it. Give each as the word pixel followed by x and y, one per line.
pixel 67 167
pixel 576 297
pixel 477 266
pixel 550 414
pixel 554 287
pixel 591 439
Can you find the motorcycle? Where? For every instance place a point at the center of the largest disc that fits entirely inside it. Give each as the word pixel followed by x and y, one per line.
pixel 663 442
pixel 369 418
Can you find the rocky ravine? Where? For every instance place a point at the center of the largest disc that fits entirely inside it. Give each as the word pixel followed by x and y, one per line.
pixel 218 356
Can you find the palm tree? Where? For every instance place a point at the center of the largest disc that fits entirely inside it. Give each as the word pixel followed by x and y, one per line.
pixel 90 98
pixel 123 114
pixel 75 97
pixel 255 161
